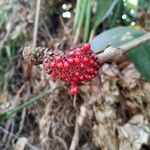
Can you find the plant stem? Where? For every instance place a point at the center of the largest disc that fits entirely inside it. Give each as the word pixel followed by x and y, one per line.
pixel 37 13
pixel 77 12
pixel 27 66
pixel 80 21
pixel 87 22
pixel 28 103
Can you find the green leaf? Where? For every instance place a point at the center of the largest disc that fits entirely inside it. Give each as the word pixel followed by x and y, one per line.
pixel 141 58
pixel 87 21
pixel 9 113
pixel 3 13
pixel 115 37
pixel 140 55
pixel 117 14
pixel 104 8
pixel 77 13
pixel 144 4
pixel 8 51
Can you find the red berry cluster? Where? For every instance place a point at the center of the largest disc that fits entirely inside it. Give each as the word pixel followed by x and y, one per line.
pixel 80 64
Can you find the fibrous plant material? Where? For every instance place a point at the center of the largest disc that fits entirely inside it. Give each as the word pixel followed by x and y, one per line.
pixel 35 56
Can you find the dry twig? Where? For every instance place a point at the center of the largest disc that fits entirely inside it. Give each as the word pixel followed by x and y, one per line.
pixel 79 122
pixel 38 5
pixel 58 138
pixel 15 137
pixel 27 66
pixel 21 122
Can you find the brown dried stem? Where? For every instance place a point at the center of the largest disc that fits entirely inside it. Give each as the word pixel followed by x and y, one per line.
pixel 28 66
pixel 79 122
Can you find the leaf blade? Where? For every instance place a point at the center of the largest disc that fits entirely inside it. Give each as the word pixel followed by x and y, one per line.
pixel 140 55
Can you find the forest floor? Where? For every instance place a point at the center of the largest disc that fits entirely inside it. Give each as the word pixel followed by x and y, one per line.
pixel 111 112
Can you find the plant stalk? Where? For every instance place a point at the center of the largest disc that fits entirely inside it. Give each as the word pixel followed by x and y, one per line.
pixel 80 21
pixel 87 22
pixel 77 12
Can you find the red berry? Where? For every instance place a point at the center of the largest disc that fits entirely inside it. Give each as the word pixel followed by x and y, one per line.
pixel 93 76
pixel 60 65
pixel 66 65
pixel 75 78
pixel 88 70
pixel 67 79
pixel 77 60
pixel 70 60
pixel 63 76
pixel 77 49
pixel 82 65
pixel 91 62
pixel 78 54
pixel 91 70
pixel 77 73
pixel 53 75
pixel 74 89
pixel 86 47
pixel 85 59
pixel 89 77
pixel 81 77
pixel 86 76
pixel 52 64
pixel 57 58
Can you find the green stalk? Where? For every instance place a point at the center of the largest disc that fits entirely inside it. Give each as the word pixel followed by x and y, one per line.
pixel 87 22
pixel 77 12
pixel 80 20
pixel 28 103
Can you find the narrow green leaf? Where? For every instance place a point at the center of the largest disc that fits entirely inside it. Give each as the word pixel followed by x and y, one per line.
pixel 114 19
pixel 104 8
pixel 87 21
pixel 3 13
pixel 8 51
pixel 9 113
pixel 82 14
pixel 80 20
pixel 77 13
